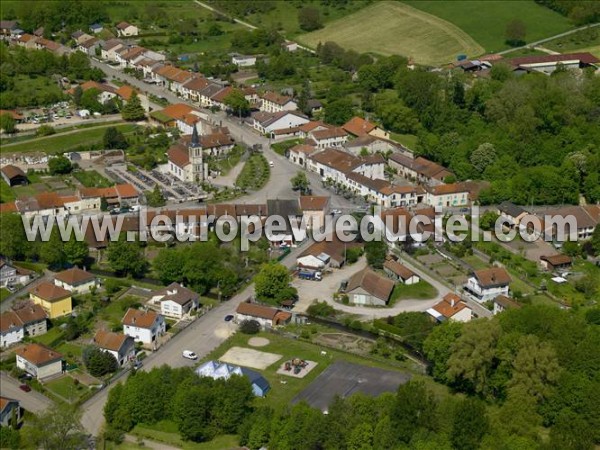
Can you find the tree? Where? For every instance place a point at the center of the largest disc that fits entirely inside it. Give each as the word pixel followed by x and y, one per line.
pixel 113 138
pixel 473 356
pixel 469 425
pixel 596 240
pixel 300 182
pixel 57 427
pixel 483 156
pixel 155 198
pixel 133 109
pixel 76 252
pixel 10 437
pixel 237 103
pixel 338 112
pixel 51 252
pixel 126 258
pixel 488 219
pixel 376 251
pixel 272 284
pixel 516 31
pixel 13 240
pixel 414 327
pixel 8 123
pixel 414 409
pixel 98 362
pixel 309 19
pixel 60 165
pixel 570 432
pixel 249 327
pixel 77 94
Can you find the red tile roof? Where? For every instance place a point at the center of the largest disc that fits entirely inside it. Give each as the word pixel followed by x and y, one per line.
pixel 278 99
pixel 399 269
pixel 254 310
pixel 313 203
pixel 450 305
pixel 126 190
pixel 493 277
pixel 110 341
pixel 37 354
pixel 372 283
pixel 359 126
pixel 178 155
pixel 139 318
pixel 585 58
pixel 49 292
pixel 74 276
pixel 12 171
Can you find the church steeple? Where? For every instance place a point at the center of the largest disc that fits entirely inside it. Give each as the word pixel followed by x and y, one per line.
pixel 195 139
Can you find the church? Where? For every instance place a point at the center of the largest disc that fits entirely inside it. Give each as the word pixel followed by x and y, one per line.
pixel 186 159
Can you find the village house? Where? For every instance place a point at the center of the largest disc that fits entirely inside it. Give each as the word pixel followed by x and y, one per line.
pixel 333 165
pixel 27 40
pixel 370 144
pixel 486 284
pixel 122 347
pixel 366 288
pixel 105 92
pixel 76 280
pixel 42 204
pixel 382 192
pixel 502 303
pixel 267 317
pixel 287 122
pixel 13 175
pixel 357 127
pixel 289 46
pixel 89 46
pixel 144 326
pixel 583 219
pixel 182 116
pixel 39 361
pixel 556 262
pixel 11 275
pixel 314 209
pixel 218 143
pixel 452 308
pixel 511 213
pixel 79 37
pixel 55 300
pixel 329 253
pixel 192 88
pixel 331 137
pixel 96 28
pixel 418 169
pixel 399 272
pixel 448 195
pixel 243 60
pixel 176 301
pixel 11 329
pixel 299 153
pixel 10 412
pixel 313 125
pixel 108 49
pixel 272 102
pixel 127 29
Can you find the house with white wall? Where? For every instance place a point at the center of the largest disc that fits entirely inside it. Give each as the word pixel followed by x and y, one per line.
pixel 76 280
pixel 330 137
pixel 265 122
pixel 144 326
pixel 487 284
pixel 447 195
pixel 175 301
pixel 265 315
pixel 119 345
pixel 39 361
pixel 127 29
pixel 452 308
pixel 273 102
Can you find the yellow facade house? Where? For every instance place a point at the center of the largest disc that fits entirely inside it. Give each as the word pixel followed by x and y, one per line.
pixel 55 300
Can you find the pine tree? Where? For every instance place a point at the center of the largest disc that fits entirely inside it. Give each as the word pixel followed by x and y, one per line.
pixel 133 110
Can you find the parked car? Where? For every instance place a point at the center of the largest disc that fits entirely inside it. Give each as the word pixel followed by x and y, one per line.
pixel 25 388
pixel 271 164
pixel 189 354
pixel 228 318
pixel 25 376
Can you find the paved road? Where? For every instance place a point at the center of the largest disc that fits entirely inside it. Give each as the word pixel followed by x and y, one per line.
pixel 8 302
pixel 32 401
pixel 202 336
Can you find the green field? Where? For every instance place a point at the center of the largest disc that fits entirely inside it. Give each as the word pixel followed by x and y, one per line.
pixel 60 143
pixel 6 193
pixel 419 291
pixel 485 21
pixel 91 178
pixel 394 28
pixel 66 388
pixel 4 293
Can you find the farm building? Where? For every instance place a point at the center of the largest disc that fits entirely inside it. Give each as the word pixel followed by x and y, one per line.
pixel 400 272
pixel 217 370
pixel 368 288
pixel 13 175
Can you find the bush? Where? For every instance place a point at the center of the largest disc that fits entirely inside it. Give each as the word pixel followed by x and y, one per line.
pixel 250 327
pixel 320 309
pixel 45 130
pixel 99 363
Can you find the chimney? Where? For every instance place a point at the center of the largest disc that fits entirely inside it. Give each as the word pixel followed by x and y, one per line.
pixel 452 302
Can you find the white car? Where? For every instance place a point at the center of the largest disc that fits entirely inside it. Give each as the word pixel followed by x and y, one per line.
pixel 271 164
pixel 189 354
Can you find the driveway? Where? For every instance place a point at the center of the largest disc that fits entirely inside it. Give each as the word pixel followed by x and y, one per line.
pixel 8 302
pixel 203 336
pixel 32 401
pixel 324 290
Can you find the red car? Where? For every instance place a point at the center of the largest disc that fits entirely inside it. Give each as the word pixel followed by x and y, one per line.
pixel 25 387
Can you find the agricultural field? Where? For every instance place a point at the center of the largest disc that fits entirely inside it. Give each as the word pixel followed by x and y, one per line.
pixel 587 40
pixel 63 142
pixel 485 21
pixel 394 28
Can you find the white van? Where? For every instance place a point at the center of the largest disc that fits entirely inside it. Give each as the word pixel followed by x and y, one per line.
pixel 189 354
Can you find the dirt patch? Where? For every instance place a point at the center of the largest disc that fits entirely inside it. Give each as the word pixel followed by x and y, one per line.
pixel 85 378
pixel 248 357
pixel 346 342
pixel 430 259
pixel 258 342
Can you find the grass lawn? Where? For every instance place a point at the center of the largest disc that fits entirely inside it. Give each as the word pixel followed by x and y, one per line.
pixel 66 388
pixel 6 193
pixel 3 294
pixel 224 165
pixel 116 309
pixel 475 262
pixel 485 21
pixel 166 431
pixel 62 142
pixel 408 140
pixel 390 28
pixel 91 178
pixel 51 336
pixel 419 291
pixel 255 173
pixel 541 300
pixel 582 41
pixel 68 349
